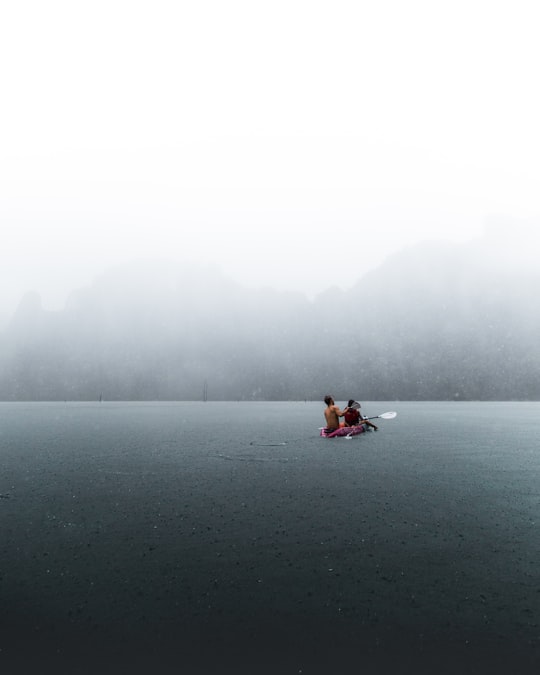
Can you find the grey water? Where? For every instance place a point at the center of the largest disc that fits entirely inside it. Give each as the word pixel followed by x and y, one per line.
pixel 134 515
pixel 501 439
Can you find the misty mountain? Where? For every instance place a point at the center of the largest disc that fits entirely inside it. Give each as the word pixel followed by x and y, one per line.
pixel 435 321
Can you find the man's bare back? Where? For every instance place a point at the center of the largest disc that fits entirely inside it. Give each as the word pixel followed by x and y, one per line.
pixel 332 413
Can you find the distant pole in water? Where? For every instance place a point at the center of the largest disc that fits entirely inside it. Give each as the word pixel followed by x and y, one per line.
pixel 101 397
pixel 205 391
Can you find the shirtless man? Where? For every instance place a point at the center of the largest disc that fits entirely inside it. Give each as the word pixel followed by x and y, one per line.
pixel 332 414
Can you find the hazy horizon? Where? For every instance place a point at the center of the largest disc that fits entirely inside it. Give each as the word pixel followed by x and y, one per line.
pixel 514 248
pixel 55 295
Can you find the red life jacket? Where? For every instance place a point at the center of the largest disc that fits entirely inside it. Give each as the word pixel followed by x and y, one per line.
pixel 352 417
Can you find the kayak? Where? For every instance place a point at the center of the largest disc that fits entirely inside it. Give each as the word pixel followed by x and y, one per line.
pixel 358 429
pixel 344 431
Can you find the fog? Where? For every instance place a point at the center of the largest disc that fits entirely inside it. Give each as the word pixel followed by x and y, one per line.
pixel 431 323
pixel 263 140
pixel 260 157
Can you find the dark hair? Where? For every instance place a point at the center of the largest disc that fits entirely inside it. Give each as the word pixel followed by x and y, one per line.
pixel 351 401
pixel 328 399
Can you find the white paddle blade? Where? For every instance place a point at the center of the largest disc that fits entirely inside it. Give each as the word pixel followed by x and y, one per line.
pixel 388 415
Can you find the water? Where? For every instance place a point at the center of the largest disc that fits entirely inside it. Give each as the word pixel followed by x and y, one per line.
pixel 154 525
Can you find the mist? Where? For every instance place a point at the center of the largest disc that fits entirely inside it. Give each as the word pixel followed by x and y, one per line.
pixel 295 148
pixel 435 321
pixel 282 169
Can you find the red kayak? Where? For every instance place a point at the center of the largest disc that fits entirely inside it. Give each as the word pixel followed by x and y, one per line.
pixel 344 431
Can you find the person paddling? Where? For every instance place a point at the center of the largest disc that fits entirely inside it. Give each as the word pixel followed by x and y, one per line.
pixel 353 417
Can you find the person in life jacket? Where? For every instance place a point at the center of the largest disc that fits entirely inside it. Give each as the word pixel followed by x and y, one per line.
pixel 353 417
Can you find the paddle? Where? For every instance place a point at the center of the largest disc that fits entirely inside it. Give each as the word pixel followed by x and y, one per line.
pixel 384 416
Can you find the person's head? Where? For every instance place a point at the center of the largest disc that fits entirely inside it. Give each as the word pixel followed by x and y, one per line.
pixel 350 403
pixel 328 400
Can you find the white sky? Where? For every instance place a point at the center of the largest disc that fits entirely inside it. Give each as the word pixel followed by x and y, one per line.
pixel 296 143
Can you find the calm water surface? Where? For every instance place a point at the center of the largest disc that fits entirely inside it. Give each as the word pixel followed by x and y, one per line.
pixel 148 523
pixel 485 456
pixel 499 436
